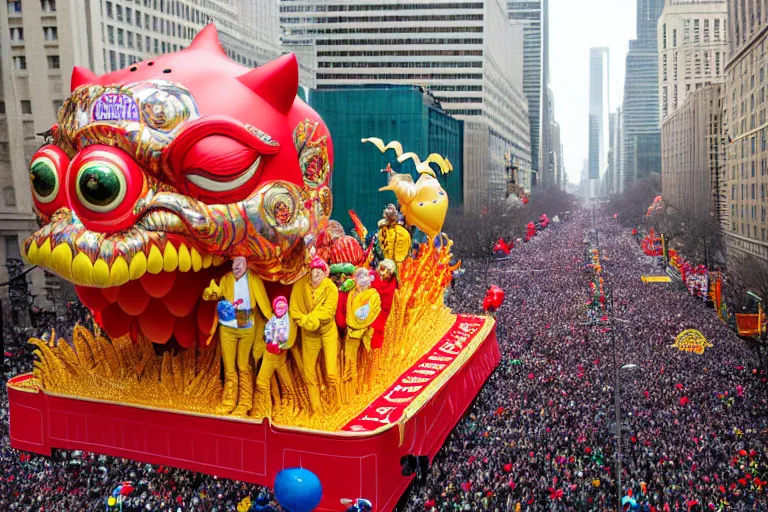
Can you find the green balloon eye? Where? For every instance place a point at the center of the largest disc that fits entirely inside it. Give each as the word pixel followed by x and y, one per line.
pixel 44 179
pixel 100 186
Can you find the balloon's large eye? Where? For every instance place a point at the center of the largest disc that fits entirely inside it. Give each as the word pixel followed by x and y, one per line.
pixel 45 179
pixel 100 186
pixel 47 175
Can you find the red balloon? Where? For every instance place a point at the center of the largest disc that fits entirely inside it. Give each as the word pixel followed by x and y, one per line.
pixel 156 322
pixel 115 321
pixel 158 285
pixel 92 298
pixel 185 331
pixel 132 298
pixel 507 467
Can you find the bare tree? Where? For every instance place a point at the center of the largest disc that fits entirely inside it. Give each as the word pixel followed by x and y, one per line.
pixel 632 204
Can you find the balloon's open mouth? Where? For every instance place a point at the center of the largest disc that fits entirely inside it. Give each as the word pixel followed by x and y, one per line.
pixel 151 285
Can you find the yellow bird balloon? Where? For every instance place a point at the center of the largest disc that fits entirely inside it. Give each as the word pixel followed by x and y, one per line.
pixel 423 203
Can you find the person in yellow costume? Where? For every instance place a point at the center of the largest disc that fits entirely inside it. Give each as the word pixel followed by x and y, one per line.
pixel 279 336
pixel 240 335
pixel 313 307
pixel 394 239
pixel 363 307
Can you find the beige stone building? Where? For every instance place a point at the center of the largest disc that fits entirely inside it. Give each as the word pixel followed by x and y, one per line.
pixel 690 152
pixel 692 39
pixel 40 42
pixel 745 175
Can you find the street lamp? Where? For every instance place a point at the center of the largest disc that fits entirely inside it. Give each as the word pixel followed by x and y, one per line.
pixel 617 406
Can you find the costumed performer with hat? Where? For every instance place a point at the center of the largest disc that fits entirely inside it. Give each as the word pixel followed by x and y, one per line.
pixel 240 317
pixel 313 307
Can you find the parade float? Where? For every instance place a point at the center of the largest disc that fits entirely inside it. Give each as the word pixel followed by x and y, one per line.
pixel 161 189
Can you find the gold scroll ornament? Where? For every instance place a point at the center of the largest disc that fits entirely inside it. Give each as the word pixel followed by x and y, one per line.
pixel 691 340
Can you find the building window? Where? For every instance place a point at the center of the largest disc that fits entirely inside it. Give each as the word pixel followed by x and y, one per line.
pixel 119 12
pixel 674 38
pixel 17 35
pixel 109 10
pixel 717 30
pixel 122 60
pixel 2 108
pixel 48 5
pixel 130 39
pixel 138 19
pixel 20 63
pixel 695 31
pixel 14 6
pixel 54 62
pixel 664 36
pixel 26 107
pixel 112 60
pixel 9 197
pixel 120 38
pixel 50 33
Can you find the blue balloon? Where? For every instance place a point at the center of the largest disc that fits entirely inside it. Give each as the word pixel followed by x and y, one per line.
pixel 298 490
pixel 226 310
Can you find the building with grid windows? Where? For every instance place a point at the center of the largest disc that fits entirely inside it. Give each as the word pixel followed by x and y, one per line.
pixel 533 15
pixel 462 52
pixel 641 129
pixel 692 49
pixel 41 40
pixel 744 177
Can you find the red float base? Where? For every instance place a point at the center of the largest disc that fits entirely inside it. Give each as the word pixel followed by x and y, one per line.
pixel 349 465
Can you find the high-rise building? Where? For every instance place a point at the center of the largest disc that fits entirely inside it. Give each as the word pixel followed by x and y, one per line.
pixel 466 54
pixel 692 55
pixel 534 15
pixel 690 148
pixel 598 113
pixel 615 142
pixel 40 42
pixel 692 42
pixel 642 132
pixel 405 113
pixel 744 180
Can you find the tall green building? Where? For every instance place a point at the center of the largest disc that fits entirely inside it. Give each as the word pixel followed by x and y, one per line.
pixel 390 112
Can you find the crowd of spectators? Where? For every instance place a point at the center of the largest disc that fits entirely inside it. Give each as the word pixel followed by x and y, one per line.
pixel 541 435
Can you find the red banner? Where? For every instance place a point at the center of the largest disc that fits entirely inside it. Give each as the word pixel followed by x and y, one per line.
pixel 748 324
pixel 422 379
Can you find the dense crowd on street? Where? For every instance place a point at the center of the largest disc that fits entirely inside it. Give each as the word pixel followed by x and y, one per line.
pixel 542 433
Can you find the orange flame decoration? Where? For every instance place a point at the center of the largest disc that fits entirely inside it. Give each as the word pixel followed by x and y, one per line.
pixel 424 279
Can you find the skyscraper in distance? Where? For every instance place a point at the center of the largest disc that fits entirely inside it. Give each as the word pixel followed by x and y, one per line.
pixel 642 133
pixel 598 112
pixel 533 14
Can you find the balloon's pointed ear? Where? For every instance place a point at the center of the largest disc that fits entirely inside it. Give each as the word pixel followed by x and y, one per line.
pixel 82 76
pixel 207 39
pixel 276 82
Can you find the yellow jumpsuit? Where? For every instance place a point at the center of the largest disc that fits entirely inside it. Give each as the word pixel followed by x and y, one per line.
pixel 314 312
pixel 359 322
pixel 270 364
pixel 237 344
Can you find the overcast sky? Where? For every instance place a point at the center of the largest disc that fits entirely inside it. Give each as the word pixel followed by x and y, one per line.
pixel 575 27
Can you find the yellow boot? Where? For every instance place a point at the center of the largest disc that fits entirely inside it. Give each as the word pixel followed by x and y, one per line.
pixel 245 397
pixel 228 396
pixel 262 404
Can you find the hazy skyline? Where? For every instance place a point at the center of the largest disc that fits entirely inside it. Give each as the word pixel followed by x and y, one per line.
pixel 575 27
